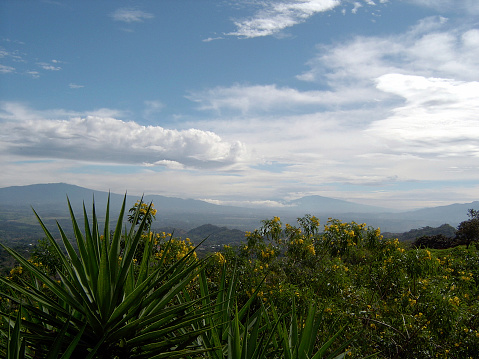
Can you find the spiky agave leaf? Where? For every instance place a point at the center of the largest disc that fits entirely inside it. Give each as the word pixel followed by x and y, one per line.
pixel 103 291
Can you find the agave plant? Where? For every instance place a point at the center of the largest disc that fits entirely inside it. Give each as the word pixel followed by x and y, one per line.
pixel 232 333
pixel 104 304
pixel 299 341
pixel 240 333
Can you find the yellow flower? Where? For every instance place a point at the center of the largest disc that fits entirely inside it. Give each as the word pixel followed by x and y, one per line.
pixel 454 301
pixel 220 258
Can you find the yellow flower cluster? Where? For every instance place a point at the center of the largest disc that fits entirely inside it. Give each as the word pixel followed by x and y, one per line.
pixel 219 258
pixel 178 249
pixel 314 221
pixel 427 256
pixel 144 208
pixel 16 270
pixel 36 264
pixel 298 241
pixel 267 253
pixel 155 237
pixel 454 301
pixel 465 276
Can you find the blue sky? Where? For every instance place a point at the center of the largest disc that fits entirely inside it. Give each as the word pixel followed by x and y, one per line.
pixel 244 102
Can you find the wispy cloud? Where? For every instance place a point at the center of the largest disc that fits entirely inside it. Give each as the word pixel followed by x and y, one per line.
pixel 49 67
pixel 275 16
pixel 427 49
pixel 357 5
pixel 130 15
pixel 467 6
pixel 152 107
pixel 75 86
pixel 34 74
pixel 6 69
pixel 266 98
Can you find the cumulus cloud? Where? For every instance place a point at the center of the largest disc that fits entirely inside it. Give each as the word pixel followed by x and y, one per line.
pixel 109 140
pixel 130 15
pixel 275 16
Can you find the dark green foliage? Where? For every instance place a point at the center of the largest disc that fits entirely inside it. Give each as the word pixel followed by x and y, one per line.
pixel 438 241
pixel 216 235
pixel 44 252
pixel 468 231
pixel 445 230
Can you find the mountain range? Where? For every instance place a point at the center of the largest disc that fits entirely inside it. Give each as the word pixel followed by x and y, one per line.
pixel 50 201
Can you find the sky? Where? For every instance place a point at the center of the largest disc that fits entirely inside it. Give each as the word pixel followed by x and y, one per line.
pixel 244 102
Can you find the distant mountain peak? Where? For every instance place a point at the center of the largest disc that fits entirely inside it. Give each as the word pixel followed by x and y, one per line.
pixel 320 204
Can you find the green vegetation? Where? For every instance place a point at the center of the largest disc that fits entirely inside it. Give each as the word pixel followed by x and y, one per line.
pixel 288 291
pixel 445 230
pixel 468 231
pixel 102 299
pixel 407 302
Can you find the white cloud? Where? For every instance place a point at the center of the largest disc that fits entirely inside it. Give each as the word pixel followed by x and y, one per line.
pixel 249 204
pixel 49 67
pixel 438 118
pixel 130 15
pixel 399 108
pixel 428 77
pixel 468 6
pixel 152 108
pixel 34 74
pixel 109 140
pixel 209 39
pixel 75 86
pixel 174 165
pixel 424 50
pixel 357 5
pixel 275 16
pixel 6 69
pixel 270 98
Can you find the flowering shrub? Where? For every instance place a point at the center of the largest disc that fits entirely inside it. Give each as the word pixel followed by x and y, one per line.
pixel 405 302
pixel 409 303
